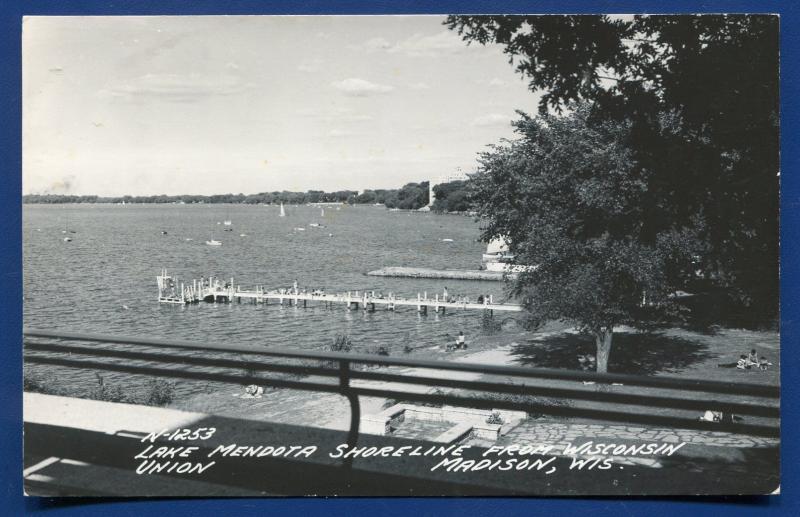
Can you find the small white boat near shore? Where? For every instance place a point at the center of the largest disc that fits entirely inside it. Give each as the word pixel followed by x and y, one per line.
pixel 212 242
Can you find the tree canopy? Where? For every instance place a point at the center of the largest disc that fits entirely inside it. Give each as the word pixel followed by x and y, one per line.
pixel 451 197
pixel 699 97
pixel 569 197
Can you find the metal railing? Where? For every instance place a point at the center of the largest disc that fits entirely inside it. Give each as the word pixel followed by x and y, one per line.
pixel 613 398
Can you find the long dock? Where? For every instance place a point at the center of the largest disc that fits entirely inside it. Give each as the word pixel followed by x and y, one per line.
pixel 214 290
pixel 447 274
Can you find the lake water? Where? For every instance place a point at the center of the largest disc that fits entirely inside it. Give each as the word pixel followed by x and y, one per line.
pixel 105 279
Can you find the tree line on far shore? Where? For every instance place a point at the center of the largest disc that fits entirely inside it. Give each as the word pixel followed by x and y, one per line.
pixel 450 197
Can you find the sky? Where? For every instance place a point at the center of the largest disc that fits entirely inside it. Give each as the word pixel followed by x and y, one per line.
pixel 248 104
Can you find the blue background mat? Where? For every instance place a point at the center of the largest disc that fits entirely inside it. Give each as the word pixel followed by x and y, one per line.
pixel 12 500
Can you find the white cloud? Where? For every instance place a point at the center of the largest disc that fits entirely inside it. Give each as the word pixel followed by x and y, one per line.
pixel 419 86
pixel 497 82
pixel 376 44
pixel 334 114
pixel 356 87
pixel 177 87
pixel 418 45
pixel 310 66
pixel 492 119
pixel 339 132
pixel 444 42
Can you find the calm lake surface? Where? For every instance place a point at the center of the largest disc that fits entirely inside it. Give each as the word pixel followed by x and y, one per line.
pixel 105 279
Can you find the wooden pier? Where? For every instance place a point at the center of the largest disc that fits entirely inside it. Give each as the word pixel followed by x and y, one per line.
pixel 215 290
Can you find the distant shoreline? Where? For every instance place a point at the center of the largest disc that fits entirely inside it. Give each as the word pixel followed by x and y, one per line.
pixel 449 197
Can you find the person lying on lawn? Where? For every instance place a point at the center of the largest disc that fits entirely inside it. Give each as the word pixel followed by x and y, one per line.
pixel 740 364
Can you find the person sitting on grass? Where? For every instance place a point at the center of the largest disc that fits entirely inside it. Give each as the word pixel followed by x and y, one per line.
pixel 712 416
pixel 763 364
pixel 743 363
pixel 253 392
pixel 752 358
pixel 740 364
pixel 461 341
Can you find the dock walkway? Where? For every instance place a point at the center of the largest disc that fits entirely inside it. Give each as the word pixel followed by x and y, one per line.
pixel 214 291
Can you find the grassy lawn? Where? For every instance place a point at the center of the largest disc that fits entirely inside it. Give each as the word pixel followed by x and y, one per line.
pixel 674 352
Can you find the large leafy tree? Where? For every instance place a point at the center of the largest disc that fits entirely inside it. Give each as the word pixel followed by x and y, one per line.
pixel 569 197
pixel 700 97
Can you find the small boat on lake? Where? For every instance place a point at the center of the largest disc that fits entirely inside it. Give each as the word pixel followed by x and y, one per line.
pixel 212 242
pixel 283 213
pixel 66 227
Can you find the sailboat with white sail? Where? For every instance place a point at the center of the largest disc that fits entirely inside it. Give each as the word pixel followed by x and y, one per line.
pixel 283 213
pixel 66 226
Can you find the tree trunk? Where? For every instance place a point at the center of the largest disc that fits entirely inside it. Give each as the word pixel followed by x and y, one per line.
pixel 603 340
